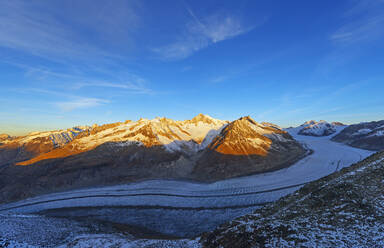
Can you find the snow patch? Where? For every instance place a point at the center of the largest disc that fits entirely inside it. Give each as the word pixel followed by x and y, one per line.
pixel 362 131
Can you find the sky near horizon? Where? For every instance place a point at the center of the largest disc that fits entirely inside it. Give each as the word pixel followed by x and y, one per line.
pixel 68 63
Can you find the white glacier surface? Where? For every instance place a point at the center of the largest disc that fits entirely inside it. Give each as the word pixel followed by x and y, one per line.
pixel 186 209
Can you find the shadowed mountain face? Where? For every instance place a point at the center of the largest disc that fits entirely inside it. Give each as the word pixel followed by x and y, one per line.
pixel 344 209
pixel 368 135
pixel 245 147
pixel 4 137
pixel 17 149
pixel 185 136
pixel 202 149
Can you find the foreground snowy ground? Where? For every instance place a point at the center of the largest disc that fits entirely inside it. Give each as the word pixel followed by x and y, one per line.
pixel 186 209
pixel 33 231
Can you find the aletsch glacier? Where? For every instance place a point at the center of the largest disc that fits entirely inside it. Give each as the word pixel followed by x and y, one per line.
pixel 174 202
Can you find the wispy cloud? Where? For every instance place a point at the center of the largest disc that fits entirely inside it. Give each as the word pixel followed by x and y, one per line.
pixel 363 21
pixel 76 80
pixel 80 103
pixel 128 86
pixel 199 33
pixel 68 101
pixel 360 25
pixel 219 79
pixel 365 30
pixel 37 29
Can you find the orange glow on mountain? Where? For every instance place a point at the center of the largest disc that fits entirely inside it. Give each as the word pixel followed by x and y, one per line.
pixel 241 137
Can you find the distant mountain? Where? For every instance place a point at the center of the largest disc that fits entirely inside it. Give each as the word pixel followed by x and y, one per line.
pixel 268 124
pixel 321 128
pixel 344 209
pixel 174 136
pixel 4 138
pixel 203 149
pixel 245 146
pixel 367 135
pixel 16 149
pixel 336 123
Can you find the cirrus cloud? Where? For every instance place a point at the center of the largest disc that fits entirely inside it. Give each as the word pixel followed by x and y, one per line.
pixel 80 103
pixel 201 33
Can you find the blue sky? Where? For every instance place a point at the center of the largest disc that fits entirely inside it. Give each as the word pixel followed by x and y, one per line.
pixel 67 63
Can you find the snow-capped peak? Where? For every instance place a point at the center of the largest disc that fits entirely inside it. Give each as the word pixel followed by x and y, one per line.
pixel 245 137
pixel 204 118
pixel 321 128
pixel 187 136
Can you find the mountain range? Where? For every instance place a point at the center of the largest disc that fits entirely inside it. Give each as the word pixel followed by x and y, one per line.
pixel 366 135
pixel 202 149
pixel 321 128
pixel 90 172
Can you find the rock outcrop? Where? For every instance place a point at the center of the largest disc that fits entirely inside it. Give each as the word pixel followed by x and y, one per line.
pixel 321 128
pixel 344 209
pixel 202 149
pixel 367 135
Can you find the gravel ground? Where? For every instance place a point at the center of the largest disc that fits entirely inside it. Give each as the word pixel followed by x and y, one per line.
pixel 37 231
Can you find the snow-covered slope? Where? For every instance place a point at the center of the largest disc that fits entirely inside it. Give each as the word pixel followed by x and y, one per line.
pixel 16 149
pixel 57 137
pixel 4 137
pixel 366 135
pixel 344 209
pixel 194 203
pixel 246 147
pixel 321 128
pixel 201 149
pixel 36 231
pixel 245 137
pixel 189 136
pixel 327 157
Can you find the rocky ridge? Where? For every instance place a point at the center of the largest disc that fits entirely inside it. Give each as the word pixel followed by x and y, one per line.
pixel 344 209
pixel 245 147
pixel 203 149
pixel 173 135
pixel 16 149
pixel 366 135
pixel 321 128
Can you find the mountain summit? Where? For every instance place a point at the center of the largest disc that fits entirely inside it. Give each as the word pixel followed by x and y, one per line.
pixel 366 135
pixel 321 128
pixel 172 135
pixel 203 118
pixel 244 147
pixel 243 137
pixel 202 149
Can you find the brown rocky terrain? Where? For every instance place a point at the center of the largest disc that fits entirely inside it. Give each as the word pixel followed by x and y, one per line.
pixel 17 149
pixel 344 209
pixel 245 147
pixel 202 149
pixel 367 135
pixel 4 137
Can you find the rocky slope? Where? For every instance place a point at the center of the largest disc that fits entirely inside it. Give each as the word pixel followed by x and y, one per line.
pixel 367 135
pixel 16 149
pixel 321 128
pixel 244 147
pixel 144 149
pixel 4 137
pixel 186 136
pixel 344 209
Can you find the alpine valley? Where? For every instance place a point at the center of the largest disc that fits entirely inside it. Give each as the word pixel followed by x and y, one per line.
pixel 202 149
pixel 202 182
